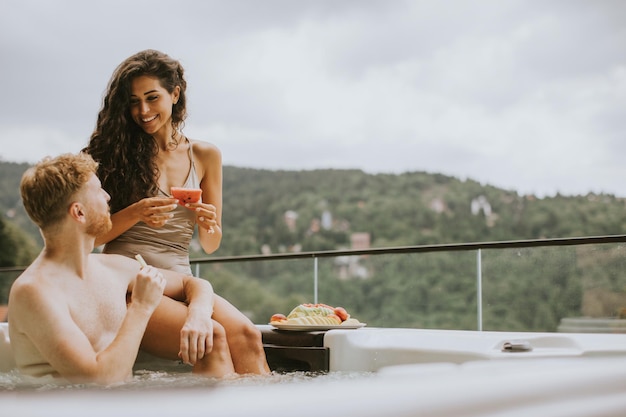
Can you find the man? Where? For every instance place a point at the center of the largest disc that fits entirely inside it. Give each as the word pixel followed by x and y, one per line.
pixel 82 315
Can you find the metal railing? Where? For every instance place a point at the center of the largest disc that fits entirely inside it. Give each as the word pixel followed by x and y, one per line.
pixel 479 247
pixel 451 247
pixel 443 247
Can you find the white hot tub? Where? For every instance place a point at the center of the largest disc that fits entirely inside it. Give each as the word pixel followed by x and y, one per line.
pixel 407 372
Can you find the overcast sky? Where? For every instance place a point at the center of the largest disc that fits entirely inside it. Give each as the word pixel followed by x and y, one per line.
pixel 528 96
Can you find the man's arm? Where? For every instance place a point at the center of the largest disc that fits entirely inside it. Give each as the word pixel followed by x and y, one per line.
pixel 49 325
pixel 196 336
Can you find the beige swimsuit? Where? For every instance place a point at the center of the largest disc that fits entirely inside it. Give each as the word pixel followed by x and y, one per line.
pixel 165 247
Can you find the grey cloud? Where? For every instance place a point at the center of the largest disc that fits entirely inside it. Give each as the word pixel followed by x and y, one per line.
pixel 381 85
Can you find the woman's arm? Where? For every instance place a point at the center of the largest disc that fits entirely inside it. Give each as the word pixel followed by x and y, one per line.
pixel 209 213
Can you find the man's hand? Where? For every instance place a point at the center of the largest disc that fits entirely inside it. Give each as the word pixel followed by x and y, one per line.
pixel 148 288
pixel 196 337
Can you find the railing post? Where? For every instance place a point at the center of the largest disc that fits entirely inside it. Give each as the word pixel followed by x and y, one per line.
pixel 479 290
pixel 315 279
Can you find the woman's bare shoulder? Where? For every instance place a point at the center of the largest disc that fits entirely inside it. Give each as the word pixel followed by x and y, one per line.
pixel 208 156
pixel 205 149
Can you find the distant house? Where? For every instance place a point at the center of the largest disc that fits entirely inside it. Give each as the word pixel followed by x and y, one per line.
pixel 350 266
pixel 437 205
pixel 327 220
pixel 290 219
pixel 360 240
pixel 479 204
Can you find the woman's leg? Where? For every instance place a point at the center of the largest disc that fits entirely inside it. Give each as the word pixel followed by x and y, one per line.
pixel 244 339
pixel 162 339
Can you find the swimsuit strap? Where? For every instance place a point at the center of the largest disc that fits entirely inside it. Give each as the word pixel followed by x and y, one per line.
pixel 192 171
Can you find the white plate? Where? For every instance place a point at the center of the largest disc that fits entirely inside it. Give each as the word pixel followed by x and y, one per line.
pixel 314 327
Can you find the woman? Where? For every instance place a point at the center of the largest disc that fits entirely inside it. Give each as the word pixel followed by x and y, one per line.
pixel 142 154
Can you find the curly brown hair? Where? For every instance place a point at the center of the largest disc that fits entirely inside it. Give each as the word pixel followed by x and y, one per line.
pixel 48 187
pixel 126 154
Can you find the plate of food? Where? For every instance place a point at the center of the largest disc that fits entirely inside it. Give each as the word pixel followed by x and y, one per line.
pixel 314 317
pixel 313 327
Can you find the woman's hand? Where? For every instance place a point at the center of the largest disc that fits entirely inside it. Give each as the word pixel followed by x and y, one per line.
pixel 155 211
pixel 206 215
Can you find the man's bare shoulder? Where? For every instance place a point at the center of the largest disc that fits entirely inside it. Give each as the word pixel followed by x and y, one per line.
pixel 31 294
pixel 25 287
pixel 115 266
pixel 32 282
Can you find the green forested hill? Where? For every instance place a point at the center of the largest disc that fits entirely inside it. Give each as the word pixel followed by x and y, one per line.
pixel 407 209
pixel 19 238
pixel 523 289
pixel 280 211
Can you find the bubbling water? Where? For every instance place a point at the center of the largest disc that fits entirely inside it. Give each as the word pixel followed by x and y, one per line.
pixel 150 379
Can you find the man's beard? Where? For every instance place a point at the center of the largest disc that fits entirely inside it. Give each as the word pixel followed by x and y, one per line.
pixel 99 223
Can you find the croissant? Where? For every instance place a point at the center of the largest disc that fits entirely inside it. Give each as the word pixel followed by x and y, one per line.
pixel 311 310
pixel 315 315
